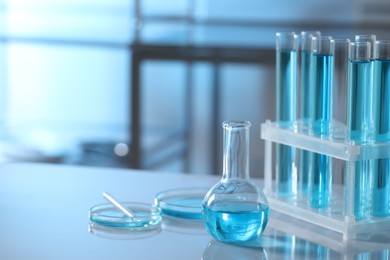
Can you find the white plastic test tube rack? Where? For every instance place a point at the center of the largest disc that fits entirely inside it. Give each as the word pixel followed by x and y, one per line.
pixel 339 217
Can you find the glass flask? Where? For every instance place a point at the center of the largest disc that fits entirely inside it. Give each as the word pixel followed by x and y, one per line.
pixel 235 210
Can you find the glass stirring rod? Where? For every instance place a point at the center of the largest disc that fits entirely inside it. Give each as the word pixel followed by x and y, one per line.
pixel 122 208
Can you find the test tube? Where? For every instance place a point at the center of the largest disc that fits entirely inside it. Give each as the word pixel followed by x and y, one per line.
pixel 320 178
pixel 360 120
pixel 371 38
pixel 304 89
pixel 340 87
pixel 286 81
pixel 304 86
pixel 340 80
pixel 381 180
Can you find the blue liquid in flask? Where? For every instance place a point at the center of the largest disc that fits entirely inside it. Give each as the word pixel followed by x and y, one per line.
pixel 236 221
pixel 235 210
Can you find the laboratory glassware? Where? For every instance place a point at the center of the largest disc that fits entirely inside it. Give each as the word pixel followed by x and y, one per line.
pixel 320 176
pixel 339 109
pixel 235 210
pixel 306 48
pixel 340 80
pixel 360 121
pixel 286 106
pixel 371 38
pixel 381 79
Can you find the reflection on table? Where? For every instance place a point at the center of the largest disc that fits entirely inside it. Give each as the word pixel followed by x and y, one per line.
pixel 44 215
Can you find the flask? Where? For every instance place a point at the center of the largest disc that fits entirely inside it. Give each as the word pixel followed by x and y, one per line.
pixel 235 210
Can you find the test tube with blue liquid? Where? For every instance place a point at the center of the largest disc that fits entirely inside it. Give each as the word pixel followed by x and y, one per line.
pixel 320 178
pixel 340 81
pixel 286 84
pixel 371 38
pixel 340 87
pixel 360 120
pixel 304 90
pixel 381 179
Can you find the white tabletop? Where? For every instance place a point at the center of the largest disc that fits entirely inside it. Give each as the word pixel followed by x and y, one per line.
pixel 44 215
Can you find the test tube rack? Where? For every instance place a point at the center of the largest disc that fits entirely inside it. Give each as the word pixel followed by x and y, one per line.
pixel 338 218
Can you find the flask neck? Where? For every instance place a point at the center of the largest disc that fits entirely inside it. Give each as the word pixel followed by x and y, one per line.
pixel 236 150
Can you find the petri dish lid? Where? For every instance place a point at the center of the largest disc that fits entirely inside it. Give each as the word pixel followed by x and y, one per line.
pixel 146 217
pixel 183 203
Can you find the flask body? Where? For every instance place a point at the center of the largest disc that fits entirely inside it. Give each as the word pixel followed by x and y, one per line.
pixel 235 210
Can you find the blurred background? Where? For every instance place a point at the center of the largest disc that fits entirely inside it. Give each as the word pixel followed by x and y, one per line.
pixel 147 83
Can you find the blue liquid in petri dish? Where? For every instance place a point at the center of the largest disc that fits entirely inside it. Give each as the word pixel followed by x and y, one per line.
pixel 188 208
pixel 109 216
pixel 236 221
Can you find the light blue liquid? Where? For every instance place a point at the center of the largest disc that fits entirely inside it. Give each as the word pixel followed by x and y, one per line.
pixel 304 170
pixel 285 168
pixel 381 180
pixel 321 180
pixel 321 114
pixel 321 110
pixel 115 218
pixel 189 208
pixel 286 70
pixel 235 221
pixel 362 189
pixel 360 109
pixel 305 85
pixel 305 115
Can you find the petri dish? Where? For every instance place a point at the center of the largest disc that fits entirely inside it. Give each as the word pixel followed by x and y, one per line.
pixel 121 233
pixel 146 217
pixel 181 203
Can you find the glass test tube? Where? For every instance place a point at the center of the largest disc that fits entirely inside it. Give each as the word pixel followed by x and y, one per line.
pixel 286 81
pixel 340 87
pixel 381 179
pixel 304 90
pixel 360 119
pixel 371 38
pixel 320 178
pixel 340 80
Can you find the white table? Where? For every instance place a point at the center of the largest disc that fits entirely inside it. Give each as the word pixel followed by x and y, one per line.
pixel 44 215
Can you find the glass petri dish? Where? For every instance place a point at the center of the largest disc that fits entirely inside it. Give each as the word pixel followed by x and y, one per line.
pixel 147 216
pixel 121 233
pixel 181 203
